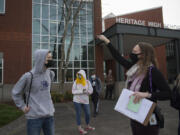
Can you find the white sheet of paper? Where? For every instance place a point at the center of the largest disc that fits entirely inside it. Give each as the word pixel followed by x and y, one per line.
pixel 121 106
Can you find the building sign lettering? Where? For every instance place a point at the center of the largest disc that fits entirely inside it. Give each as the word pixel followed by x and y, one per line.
pixel 138 22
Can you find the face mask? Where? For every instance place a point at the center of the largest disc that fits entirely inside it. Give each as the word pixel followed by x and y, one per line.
pixel 93 76
pixel 50 63
pixel 134 57
pixel 79 76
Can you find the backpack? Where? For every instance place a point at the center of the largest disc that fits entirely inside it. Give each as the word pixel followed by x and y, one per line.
pixel 175 98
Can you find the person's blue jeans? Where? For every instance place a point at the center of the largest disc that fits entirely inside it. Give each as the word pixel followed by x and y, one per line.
pixel 86 108
pixel 34 126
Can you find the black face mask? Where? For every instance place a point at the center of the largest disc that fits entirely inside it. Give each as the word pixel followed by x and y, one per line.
pixel 134 57
pixel 50 63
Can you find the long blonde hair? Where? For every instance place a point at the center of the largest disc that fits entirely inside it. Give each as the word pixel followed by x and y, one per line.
pixel 148 57
pixel 81 81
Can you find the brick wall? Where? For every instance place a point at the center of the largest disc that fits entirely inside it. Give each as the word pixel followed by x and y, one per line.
pixel 15 38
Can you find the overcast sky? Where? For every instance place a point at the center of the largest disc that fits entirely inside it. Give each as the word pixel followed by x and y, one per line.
pixel 171 8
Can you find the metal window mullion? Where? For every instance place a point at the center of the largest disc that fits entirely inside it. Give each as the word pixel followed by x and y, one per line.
pixel 32 37
pixel 49 21
pixel 40 24
pixel 4 6
pixel 80 41
pixel 57 45
pixel 87 36
pixel 73 45
pixel 2 70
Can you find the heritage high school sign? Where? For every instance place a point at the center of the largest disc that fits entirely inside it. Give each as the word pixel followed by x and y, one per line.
pixel 138 22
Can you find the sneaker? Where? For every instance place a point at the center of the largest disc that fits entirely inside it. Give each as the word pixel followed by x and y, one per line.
pixel 82 131
pixel 90 128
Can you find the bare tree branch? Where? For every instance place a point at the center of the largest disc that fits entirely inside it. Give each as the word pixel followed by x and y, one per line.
pixel 68 14
pixel 67 21
pixel 72 31
pixel 72 35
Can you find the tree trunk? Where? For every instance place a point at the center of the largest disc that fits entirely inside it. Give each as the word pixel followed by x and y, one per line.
pixel 63 66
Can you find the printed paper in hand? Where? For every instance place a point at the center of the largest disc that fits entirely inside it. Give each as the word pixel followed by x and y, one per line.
pixel 132 106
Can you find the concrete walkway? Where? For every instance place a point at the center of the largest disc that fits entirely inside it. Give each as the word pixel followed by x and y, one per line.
pixel 108 122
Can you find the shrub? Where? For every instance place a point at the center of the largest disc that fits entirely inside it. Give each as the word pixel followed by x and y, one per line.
pixel 57 97
pixel 68 96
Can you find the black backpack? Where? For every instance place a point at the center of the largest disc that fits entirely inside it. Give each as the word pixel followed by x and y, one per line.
pixel 175 98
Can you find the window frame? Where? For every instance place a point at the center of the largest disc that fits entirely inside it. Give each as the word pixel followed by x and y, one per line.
pixel 4 8
pixel 80 41
pixel 1 68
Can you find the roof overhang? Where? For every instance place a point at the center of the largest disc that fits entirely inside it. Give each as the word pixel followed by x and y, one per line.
pixel 132 34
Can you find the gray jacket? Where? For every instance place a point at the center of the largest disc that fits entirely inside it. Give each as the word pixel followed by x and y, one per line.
pixel 40 101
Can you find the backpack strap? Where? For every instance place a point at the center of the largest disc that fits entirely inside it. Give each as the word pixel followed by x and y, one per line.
pixel 150 77
pixel 29 89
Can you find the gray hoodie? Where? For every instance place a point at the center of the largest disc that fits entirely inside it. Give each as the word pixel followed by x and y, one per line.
pixel 40 101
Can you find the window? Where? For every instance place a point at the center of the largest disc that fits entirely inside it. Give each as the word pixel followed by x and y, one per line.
pixel 47 29
pixel 1 68
pixel 2 6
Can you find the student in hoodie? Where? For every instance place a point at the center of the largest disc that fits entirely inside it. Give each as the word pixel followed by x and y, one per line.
pixel 145 79
pixel 40 111
pixel 81 90
pixel 96 84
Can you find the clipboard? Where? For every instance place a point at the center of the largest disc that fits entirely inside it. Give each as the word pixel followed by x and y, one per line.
pixel 141 113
